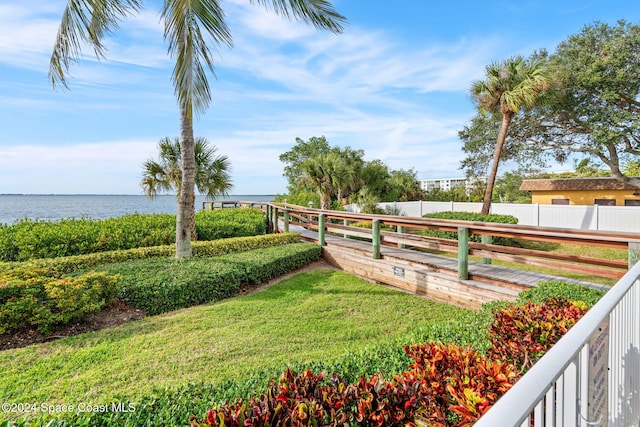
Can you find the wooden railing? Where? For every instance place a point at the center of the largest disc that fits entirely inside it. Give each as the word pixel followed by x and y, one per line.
pixel 404 232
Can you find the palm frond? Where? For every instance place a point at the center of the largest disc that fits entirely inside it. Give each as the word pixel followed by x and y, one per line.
pixel 183 20
pixel 320 13
pixel 85 22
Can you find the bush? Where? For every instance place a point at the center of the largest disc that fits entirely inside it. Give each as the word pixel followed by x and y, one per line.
pixel 45 302
pixel 166 284
pixel 29 239
pixel 521 334
pixel 225 223
pixel 58 266
pixel 470 216
pixel 571 291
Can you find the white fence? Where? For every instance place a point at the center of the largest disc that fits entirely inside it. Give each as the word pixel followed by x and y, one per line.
pixel 608 218
pixel 590 377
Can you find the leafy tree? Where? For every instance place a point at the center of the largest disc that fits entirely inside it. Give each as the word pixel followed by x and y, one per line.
pixel 211 176
pixel 509 86
pixel 508 188
pixel 191 27
pixel 592 108
pixel 404 186
pixel 300 152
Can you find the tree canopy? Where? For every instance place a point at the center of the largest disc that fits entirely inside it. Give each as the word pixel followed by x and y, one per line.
pixel 592 109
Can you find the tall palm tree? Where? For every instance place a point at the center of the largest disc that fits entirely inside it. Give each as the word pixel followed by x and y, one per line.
pixel 211 175
pixel 509 86
pixel 186 24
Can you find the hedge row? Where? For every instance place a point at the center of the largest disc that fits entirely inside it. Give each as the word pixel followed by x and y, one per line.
pixel 176 405
pixel 32 239
pixel 165 284
pixel 470 216
pixel 56 267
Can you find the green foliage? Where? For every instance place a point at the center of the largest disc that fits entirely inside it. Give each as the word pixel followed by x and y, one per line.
pixel 470 216
pixel 58 266
pixel 165 284
pixel 45 302
pixel 571 291
pixel 32 239
pixel 226 223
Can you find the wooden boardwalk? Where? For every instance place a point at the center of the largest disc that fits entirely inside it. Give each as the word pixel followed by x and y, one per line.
pixel 433 276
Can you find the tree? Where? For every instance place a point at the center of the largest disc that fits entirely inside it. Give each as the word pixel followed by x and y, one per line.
pixel 191 27
pixel 211 175
pixel 300 152
pixel 509 86
pixel 592 108
pixel 596 108
pixel 325 174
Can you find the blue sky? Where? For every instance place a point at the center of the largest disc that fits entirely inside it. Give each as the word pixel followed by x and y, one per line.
pixel 394 84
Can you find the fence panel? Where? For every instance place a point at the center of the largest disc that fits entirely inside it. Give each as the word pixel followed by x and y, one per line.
pixel 606 218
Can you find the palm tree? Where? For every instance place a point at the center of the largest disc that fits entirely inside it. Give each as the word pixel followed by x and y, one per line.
pixel 509 86
pixel 211 175
pixel 326 175
pixel 186 23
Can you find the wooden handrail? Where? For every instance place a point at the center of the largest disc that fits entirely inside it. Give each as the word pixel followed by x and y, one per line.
pixel 310 218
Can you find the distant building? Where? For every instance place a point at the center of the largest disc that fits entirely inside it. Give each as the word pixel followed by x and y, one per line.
pixel 581 191
pixel 446 184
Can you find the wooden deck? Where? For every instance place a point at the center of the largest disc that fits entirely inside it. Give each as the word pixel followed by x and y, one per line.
pixel 429 275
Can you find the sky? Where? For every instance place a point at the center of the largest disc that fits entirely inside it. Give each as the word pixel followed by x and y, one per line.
pixel 394 84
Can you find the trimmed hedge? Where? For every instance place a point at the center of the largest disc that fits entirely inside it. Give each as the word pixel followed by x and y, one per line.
pixel 161 285
pixel 470 216
pixel 28 239
pixel 31 299
pixel 58 266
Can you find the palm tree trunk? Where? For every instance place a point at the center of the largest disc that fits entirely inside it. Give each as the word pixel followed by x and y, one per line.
pixel 491 180
pixel 185 218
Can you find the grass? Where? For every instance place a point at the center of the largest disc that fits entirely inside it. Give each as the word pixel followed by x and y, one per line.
pixel 312 316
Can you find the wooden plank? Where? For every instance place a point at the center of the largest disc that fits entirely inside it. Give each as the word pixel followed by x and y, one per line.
pixel 576 268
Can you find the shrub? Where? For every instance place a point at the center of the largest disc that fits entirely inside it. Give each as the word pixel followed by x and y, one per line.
pixel 470 216
pixel 63 265
pixel 29 239
pixel 521 334
pixel 166 284
pixel 464 383
pixel 45 302
pixel 225 223
pixel 571 291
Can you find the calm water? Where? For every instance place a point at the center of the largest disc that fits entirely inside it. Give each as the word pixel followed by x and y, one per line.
pixel 53 207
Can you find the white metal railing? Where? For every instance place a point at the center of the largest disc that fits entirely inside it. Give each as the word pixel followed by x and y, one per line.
pixel 591 377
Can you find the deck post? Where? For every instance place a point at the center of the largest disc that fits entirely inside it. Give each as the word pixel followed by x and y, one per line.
pixel 463 253
pixel 286 220
pixel 375 238
pixel 268 213
pixel 400 230
pixel 486 240
pixel 275 219
pixel 321 241
pixel 634 253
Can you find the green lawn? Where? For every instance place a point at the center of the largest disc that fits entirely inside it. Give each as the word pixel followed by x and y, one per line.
pixel 319 315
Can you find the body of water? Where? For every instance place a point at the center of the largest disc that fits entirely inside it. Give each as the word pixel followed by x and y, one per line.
pixel 53 207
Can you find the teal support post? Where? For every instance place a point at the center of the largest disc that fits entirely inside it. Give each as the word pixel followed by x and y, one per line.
pixel 286 221
pixel 463 253
pixel 375 238
pixel 400 230
pixel 321 241
pixel 634 253
pixel 345 222
pixel 275 220
pixel 486 240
